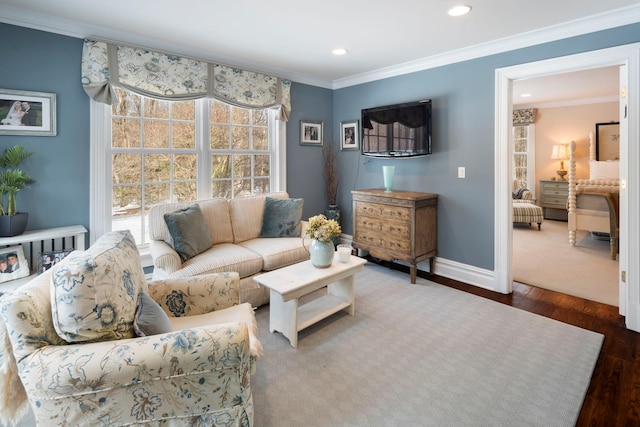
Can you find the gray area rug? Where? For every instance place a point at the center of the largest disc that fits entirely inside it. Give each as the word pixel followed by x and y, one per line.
pixel 423 355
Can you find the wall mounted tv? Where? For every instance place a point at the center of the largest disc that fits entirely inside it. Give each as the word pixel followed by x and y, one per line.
pixel 401 130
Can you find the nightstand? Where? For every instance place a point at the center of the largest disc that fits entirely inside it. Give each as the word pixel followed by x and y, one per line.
pixel 553 199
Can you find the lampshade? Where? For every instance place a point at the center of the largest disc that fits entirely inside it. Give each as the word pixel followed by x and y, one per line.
pixel 560 152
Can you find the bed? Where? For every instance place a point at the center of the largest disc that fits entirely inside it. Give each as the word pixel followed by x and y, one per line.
pixel 593 203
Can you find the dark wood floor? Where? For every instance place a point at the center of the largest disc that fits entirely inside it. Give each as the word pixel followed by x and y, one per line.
pixel 613 397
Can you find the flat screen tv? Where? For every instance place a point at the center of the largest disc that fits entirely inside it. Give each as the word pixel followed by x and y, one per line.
pixel 401 130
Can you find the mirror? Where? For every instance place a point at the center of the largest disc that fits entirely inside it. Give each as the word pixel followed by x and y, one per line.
pixel 608 141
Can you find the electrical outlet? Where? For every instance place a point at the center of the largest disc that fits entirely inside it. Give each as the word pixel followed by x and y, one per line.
pixel 461 172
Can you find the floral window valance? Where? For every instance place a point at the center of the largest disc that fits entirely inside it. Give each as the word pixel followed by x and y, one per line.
pixel 106 66
pixel 524 117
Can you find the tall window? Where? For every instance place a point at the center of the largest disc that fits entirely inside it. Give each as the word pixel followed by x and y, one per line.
pixel 524 156
pixel 162 152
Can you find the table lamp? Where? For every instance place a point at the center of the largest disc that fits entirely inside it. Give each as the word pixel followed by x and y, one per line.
pixel 560 152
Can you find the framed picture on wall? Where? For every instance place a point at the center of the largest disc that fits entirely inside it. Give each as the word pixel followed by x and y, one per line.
pixel 608 141
pixel 27 113
pixel 349 136
pixel 310 132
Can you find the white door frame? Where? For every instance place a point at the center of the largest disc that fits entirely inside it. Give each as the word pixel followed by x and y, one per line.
pixel 627 55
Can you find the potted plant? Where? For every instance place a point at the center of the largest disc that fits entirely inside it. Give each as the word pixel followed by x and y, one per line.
pixel 12 180
pixel 322 232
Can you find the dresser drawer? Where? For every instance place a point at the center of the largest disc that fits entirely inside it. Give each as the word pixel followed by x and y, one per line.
pixel 383 212
pixel 390 228
pixel 383 241
pixel 555 202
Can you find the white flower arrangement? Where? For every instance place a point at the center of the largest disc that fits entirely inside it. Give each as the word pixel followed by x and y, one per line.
pixel 322 229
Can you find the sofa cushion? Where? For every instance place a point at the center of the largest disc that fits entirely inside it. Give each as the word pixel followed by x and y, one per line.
pixel 222 258
pixel 94 293
pixel 278 253
pixel 246 215
pixel 189 232
pixel 150 318
pixel 281 217
pixel 215 212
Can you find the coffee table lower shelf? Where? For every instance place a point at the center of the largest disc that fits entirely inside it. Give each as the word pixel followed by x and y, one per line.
pixel 318 309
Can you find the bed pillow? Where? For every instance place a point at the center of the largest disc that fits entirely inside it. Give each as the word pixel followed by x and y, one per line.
pixel 189 232
pixel 150 318
pixel 604 170
pixel 281 218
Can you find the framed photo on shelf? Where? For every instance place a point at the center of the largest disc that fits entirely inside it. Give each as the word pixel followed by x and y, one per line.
pixel 27 113
pixel 349 135
pixel 310 132
pixel 46 260
pixel 13 264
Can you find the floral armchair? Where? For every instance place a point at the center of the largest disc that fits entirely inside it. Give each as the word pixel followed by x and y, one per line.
pixel 71 350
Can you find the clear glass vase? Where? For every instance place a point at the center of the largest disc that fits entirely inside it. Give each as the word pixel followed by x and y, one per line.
pixel 321 253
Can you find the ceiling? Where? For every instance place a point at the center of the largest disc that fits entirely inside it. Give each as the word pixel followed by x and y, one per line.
pixel 294 39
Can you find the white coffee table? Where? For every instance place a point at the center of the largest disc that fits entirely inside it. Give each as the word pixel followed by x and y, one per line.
pixel 290 283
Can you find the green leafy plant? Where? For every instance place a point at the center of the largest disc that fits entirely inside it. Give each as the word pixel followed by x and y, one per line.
pixel 13 179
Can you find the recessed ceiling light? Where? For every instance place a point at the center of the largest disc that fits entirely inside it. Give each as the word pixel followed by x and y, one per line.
pixel 525 95
pixel 459 10
pixel 339 51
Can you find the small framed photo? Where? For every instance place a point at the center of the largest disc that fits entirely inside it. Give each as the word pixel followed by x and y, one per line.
pixel 310 133
pixel 349 135
pixel 13 264
pixel 27 113
pixel 46 260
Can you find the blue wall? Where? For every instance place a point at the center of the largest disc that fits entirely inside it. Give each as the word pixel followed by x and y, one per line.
pixel 463 97
pixel 463 121
pixel 43 62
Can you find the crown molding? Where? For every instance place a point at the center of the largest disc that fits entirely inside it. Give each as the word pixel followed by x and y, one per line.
pixel 611 19
pixel 568 103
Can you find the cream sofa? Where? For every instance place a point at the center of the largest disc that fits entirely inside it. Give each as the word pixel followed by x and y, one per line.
pixel 234 226
pixel 76 343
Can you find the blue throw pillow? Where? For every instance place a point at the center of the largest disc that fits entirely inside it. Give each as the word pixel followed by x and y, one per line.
pixel 282 217
pixel 150 318
pixel 189 232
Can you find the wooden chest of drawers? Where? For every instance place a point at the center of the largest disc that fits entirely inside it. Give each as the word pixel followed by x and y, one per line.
pixel 553 199
pixel 398 225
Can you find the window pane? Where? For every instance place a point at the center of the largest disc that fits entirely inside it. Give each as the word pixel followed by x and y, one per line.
pixel 260 118
pixel 155 108
pixel 240 116
pixel 241 165
pixel 242 187
pixel 127 168
pixel 125 133
pixel 521 146
pixel 219 112
pixel 184 135
pixel 220 137
pixel 221 166
pixel 156 134
pixel 128 104
pixel 155 194
pixel 260 139
pixel 520 160
pixel 261 185
pixel 184 166
pixel 184 191
pixel 185 110
pixel 261 165
pixel 157 167
pixel 240 138
pixel 221 189
pixel 126 199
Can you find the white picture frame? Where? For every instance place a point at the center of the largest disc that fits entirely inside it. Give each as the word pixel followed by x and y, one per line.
pixel 10 257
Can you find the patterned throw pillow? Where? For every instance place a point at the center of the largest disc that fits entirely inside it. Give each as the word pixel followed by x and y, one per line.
pixel 94 293
pixel 282 217
pixel 189 232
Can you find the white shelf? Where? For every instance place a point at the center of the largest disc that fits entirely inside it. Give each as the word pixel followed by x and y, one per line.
pixel 47 235
pixel 318 309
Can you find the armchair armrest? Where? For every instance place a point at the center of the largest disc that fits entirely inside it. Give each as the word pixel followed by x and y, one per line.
pixel 128 379
pixel 196 295
pixel 164 257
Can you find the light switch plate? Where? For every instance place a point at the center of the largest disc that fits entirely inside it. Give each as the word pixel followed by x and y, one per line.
pixel 461 172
